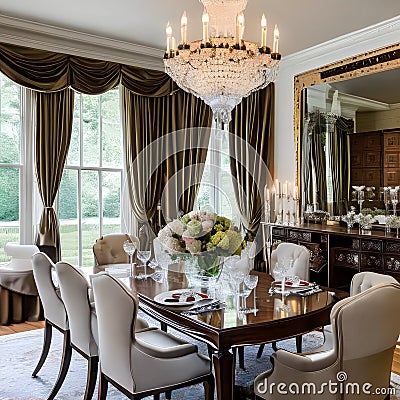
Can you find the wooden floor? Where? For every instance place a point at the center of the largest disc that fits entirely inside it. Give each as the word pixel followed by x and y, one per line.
pixel 28 326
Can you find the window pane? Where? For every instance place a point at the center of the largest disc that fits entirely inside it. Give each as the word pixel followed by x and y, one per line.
pixel 10 121
pixel 68 215
pixel 90 123
pixel 74 147
pixel 111 202
pixel 90 214
pixel 9 208
pixel 111 129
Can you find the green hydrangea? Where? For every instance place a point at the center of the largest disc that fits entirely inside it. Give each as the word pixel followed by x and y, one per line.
pixel 217 237
pixel 185 219
pixel 194 228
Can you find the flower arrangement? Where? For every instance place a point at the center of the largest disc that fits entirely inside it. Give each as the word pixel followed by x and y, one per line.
pixel 204 235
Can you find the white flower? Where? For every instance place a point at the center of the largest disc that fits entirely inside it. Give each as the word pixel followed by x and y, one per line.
pixel 176 226
pixel 207 225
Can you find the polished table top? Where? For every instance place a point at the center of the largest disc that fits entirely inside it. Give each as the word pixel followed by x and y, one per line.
pixel 271 308
pixel 278 317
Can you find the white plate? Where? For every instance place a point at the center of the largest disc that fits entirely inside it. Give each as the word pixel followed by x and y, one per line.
pixel 171 298
pixel 303 285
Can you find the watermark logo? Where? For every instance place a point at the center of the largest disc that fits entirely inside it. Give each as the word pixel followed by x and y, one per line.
pixel 339 386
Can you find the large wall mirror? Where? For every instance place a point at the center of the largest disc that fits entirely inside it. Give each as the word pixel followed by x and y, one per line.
pixel 347 130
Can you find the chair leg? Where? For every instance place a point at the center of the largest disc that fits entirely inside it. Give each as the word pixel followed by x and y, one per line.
pixel 209 387
pixel 93 363
pixel 274 346
pixel 66 360
pixel 48 331
pixel 241 357
pixel 103 386
pixel 163 326
pixel 260 350
pixel 168 395
pixel 299 343
pixel 156 396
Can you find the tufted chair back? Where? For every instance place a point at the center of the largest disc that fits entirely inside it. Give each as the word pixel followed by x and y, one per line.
pixel 108 249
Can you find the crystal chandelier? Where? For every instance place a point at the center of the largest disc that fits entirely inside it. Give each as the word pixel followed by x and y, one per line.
pixel 222 68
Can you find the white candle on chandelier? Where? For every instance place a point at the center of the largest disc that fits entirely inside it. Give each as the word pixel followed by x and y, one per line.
pixel 263 31
pixel 173 45
pixel 183 28
pixel 205 19
pixel 275 48
pixel 168 30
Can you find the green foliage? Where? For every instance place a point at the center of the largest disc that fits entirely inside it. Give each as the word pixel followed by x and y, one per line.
pixel 9 194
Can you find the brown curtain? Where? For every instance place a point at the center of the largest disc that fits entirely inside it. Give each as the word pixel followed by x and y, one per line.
pixel 54 116
pixel 48 71
pixel 148 120
pixel 252 124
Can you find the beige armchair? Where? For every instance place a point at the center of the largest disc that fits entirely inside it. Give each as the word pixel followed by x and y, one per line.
pixel 55 316
pixel 365 330
pixel 143 363
pixel 360 282
pixel 108 249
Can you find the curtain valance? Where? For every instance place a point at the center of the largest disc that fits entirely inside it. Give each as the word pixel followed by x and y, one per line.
pixel 44 70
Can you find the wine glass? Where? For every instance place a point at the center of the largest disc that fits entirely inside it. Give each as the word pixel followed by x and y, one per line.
pixel 283 269
pixel 251 282
pixel 129 248
pixel 144 257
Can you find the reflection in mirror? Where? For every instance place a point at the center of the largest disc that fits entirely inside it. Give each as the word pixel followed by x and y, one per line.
pixel 350 137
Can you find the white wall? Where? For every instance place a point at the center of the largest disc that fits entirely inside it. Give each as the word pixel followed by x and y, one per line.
pixel 371 38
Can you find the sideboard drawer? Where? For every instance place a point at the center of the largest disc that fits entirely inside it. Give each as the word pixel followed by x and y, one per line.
pixel 346 258
pixel 371 262
pixel 371 245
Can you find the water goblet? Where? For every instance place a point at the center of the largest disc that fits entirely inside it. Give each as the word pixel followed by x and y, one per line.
pixel 144 257
pixel 251 282
pixel 129 248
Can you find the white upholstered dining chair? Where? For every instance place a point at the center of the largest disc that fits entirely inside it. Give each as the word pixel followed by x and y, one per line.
pixel 301 268
pixel 82 319
pixel 365 331
pixel 55 316
pixel 142 363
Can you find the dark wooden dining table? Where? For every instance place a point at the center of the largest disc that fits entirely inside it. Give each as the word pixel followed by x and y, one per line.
pixel 278 317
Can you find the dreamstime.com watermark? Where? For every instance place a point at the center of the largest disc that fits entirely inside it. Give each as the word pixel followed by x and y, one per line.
pixel 340 386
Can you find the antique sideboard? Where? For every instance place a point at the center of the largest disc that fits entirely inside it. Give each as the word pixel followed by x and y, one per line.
pixel 335 255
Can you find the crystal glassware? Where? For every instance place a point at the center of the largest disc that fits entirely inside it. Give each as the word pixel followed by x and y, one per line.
pixel 349 219
pixel 144 257
pixel 251 282
pixel 130 248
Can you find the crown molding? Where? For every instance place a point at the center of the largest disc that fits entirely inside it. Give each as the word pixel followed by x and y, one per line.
pixel 372 37
pixel 46 37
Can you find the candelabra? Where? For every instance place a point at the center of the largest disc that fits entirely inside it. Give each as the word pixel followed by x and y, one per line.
pixel 360 195
pixel 394 198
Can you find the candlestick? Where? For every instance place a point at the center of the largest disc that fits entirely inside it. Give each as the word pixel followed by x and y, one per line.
pixel 205 19
pixel 275 47
pixel 241 26
pixel 173 46
pixel 263 31
pixel 168 30
pixel 183 28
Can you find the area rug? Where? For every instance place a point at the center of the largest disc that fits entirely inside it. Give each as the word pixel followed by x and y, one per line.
pixel 20 352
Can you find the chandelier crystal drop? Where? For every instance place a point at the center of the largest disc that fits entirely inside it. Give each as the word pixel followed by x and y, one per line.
pixel 222 68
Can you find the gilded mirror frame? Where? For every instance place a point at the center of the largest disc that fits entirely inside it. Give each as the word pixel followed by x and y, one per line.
pixel 371 62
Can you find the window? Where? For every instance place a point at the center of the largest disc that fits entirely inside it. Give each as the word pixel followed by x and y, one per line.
pixel 216 188
pixel 89 200
pixel 11 162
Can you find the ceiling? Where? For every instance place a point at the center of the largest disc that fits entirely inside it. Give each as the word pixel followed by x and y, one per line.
pixel 381 86
pixel 302 24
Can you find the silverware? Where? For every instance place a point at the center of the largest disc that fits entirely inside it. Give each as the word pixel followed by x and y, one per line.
pixel 213 306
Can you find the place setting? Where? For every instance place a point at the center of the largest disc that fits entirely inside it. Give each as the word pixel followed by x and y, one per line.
pixel 188 301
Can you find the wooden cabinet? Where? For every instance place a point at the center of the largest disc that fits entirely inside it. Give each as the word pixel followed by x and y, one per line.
pixel 375 158
pixel 337 255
